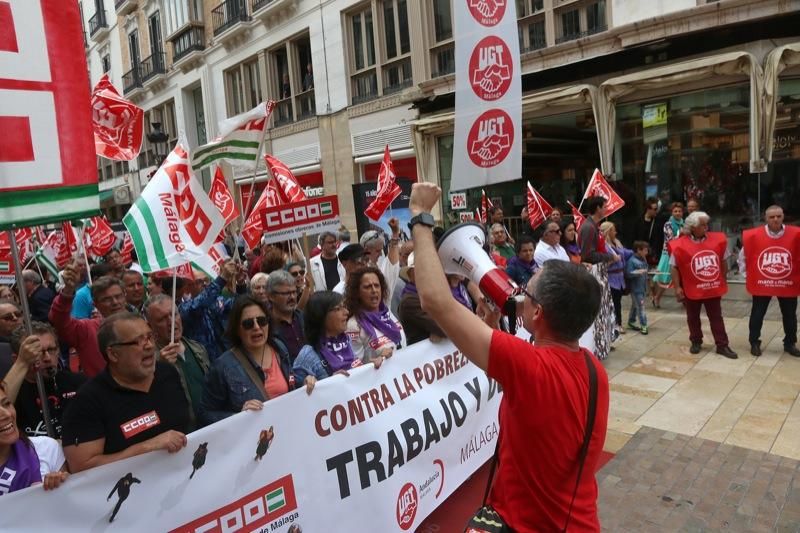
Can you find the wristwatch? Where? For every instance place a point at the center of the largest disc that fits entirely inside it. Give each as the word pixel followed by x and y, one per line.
pixel 426 219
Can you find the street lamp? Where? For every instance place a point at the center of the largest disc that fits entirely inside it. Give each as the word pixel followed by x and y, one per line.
pixel 158 139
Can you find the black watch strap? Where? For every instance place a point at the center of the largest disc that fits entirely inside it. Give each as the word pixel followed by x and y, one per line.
pixel 426 219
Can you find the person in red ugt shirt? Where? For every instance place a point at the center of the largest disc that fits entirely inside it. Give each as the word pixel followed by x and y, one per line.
pixel 546 387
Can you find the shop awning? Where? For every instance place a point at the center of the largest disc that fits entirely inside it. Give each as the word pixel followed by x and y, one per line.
pixel 729 64
pixel 777 61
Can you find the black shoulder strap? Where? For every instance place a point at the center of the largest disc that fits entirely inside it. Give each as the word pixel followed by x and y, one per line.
pixel 495 460
pixel 587 436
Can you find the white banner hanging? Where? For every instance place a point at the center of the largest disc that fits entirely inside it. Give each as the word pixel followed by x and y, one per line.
pixel 488 123
pixel 376 451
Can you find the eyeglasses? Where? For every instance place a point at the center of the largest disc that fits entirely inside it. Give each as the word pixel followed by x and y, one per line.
pixel 298 273
pixel 250 323
pixel 11 316
pixel 106 300
pixel 51 351
pixel 140 341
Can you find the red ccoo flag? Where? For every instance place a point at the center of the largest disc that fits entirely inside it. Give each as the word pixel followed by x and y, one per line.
pixel 222 198
pixel 283 187
pixel 576 216
pixel 538 208
pixel 598 186
pixel 388 190
pixel 118 123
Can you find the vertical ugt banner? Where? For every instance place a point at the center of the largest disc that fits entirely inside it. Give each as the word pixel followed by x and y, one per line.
pixel 488 124
pixel 47 161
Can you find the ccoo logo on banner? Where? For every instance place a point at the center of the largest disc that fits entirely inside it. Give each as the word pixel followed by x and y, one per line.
pixel 488 141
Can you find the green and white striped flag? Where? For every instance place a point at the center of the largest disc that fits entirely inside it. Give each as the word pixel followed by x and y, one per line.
pixel 239 141
pixel 275 500
pixel 174 221
pixel 46 256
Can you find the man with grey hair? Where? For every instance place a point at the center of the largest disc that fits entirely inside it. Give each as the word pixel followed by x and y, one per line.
pixel 555 393
pixel 772 266
pixel 389 264
pixel 40 297
pixel 286 320
pixel 698 264
pixel 500 244
pixel 134 406
pixel 189 357
pixel 326 269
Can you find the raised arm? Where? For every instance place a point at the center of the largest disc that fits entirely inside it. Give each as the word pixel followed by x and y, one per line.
pixel 470 335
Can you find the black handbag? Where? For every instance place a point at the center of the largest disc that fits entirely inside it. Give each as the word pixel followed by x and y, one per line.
pixel 487 520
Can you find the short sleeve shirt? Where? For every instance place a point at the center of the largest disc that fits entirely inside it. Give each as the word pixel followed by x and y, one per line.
pixel 124 417
pixel 61 390
pixel 542 419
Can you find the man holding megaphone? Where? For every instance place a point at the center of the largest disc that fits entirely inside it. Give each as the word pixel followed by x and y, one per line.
pixel 554 410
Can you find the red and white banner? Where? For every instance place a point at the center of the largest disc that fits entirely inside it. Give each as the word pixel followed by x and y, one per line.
pixel 486 203
pixel 48 169
pixel 292 221
pixel 488 123
pixel 118 123
pixel 127 250
pixel 283 187
pixel 388 190
pixel 397 441
pixel 99 236
pixel 222 197
pixel 598 186
pixel 538 208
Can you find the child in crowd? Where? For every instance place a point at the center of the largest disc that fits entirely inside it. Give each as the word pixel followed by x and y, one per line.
pixel 636 272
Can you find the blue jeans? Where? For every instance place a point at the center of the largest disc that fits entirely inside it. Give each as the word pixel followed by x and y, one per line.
pixel 637 309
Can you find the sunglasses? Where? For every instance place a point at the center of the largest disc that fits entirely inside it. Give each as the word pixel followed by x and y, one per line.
pixel 250 323
pixel 11 316
pixel 298 273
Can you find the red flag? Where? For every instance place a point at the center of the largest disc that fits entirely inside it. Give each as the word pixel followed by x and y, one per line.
pixel 538 208
pixel 253 227
pixel 126 250
pixel 222 198
pixel 388 190
pixel 100 236
pixel 576 216
pixel 118 123
pixel 59 244
pixel 598 186
pixel 40 235
pixel 283 184
pixel 486 203
pixel 183 271
pixel 70 239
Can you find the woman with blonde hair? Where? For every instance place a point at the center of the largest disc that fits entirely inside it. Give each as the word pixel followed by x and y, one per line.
pixel 616 270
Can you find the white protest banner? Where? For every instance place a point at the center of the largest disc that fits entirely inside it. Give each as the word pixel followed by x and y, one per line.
pixel 488 123
pixel 377 451
pixel 292 221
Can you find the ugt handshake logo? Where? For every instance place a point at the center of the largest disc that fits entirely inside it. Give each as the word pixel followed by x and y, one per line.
pixel 490 138
pixel 491 68
pixel 487 12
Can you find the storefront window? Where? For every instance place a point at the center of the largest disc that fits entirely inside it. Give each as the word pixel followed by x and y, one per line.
pixel 689 146
pixel 781 183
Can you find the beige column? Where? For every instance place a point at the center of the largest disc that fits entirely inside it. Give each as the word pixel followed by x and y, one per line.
pixel 336 162
pixel 549 23
pixel 417 23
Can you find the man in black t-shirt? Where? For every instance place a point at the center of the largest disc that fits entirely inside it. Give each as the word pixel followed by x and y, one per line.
pixel 134 406
pixel 39 353
pixel 326 269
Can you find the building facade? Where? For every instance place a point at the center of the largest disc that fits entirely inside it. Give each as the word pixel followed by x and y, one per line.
pixel 671 98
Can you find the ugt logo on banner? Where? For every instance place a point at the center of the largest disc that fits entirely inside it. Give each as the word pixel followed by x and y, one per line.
pixel 487 12
pixel 490 138
pixel 47 165
pixel 491 68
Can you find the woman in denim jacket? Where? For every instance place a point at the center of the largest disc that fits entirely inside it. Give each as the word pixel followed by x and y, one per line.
pixel 329 350
pixel 256 369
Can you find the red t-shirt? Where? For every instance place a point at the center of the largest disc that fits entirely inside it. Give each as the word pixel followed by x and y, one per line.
pixel 542 424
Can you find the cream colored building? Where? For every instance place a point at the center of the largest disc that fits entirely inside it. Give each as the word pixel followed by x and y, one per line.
pixel 722 73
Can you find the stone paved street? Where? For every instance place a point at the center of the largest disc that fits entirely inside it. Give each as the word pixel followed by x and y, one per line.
pixel 702 443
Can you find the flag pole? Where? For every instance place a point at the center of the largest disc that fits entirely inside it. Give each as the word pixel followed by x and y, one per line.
pixel 85 255
pixel 255 169
pixel 26 315
pixel 174 303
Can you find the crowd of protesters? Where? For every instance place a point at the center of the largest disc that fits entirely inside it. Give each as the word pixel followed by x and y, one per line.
pixel 125 345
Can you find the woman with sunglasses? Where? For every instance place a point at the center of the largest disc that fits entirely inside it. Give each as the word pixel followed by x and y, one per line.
pixel 329 350
pixel 373 329
pixel 256 369
pixel 25 462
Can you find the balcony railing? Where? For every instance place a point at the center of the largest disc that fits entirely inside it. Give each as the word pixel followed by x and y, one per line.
pixel 131 80
pixel 152 66
pixel 228 14
pixel 535 45
pixel 97 22
pixel 444 61
pixel 397 76
pixel 305 103
pixel 283 112
pixel 258 4
pixel 364 87
pixel 190 40
pixel 580 34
